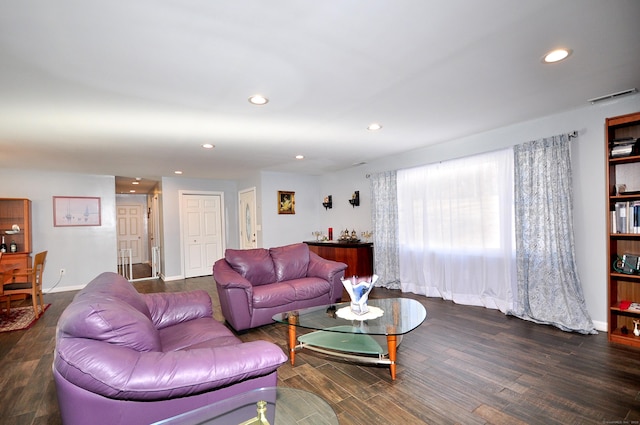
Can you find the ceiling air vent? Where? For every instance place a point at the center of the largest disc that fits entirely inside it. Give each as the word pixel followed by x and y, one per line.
pixel 613 95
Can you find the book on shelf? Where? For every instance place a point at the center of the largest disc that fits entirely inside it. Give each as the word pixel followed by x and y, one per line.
pixel 625 218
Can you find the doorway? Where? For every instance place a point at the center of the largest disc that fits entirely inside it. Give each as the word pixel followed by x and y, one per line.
pixel 137 228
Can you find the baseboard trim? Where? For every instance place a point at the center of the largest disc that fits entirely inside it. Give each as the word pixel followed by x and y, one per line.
pixel 170 278
pixel 46 291
pixel 600 326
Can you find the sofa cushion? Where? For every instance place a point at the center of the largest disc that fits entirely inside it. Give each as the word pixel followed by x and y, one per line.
pixel 290 261
pixel 104 318
pixel 196 333
pixel 309 287
pixel 255 265
pixel 274 295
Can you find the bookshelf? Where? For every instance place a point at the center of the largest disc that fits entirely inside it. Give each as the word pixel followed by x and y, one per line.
pixel 623 203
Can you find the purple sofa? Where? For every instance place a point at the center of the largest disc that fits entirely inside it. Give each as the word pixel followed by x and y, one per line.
pixel 255 284
pixel 123 357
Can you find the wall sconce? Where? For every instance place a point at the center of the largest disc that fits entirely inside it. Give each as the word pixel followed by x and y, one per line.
pixel 328 203
pixel 355 199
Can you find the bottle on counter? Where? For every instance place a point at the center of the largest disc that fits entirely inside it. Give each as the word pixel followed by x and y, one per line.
pixel 3 246
pixel 13 247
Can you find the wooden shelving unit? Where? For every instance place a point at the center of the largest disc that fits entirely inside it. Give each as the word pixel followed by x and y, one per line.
pixel 16 211
pixel 623 285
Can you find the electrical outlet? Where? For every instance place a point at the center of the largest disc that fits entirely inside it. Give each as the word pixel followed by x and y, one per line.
pixel 63 272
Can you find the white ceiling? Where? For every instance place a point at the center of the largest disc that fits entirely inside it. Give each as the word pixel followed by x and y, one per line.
pixel 134 88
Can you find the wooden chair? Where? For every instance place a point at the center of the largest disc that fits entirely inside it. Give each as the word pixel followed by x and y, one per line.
pixel 32 284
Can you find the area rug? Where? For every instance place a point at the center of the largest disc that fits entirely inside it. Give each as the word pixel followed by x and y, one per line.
pixel 20 318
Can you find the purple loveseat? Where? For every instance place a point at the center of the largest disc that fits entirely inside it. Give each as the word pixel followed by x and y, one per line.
pixel 255 284
pixel 127 358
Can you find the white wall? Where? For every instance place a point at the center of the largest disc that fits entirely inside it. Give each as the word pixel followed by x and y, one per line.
pixel 343 216
pixel 83 251
pixel 588 158
pixel 284 229
pixel 171 267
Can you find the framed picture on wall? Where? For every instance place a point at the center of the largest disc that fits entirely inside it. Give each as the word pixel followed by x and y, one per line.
pixel 286 202
pixel 76 211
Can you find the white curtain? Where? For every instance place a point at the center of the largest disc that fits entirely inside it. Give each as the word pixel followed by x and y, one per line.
pixel 456 230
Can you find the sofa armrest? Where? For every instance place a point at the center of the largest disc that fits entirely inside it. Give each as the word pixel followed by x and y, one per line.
pixel 125 374
pixel 171 308
pixel 226 277
pixel 331 271
pixel 235 294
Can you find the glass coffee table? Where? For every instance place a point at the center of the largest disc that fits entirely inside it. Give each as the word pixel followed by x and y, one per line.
pixel 271 405
pixel 371 338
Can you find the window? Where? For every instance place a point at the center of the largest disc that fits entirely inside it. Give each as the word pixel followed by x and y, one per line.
pixel 456 228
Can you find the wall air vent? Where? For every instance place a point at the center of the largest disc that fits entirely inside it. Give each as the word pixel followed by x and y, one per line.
pixel 613 95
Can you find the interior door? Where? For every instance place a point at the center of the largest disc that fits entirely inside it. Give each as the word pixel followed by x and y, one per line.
pixel 247 219
pixel 130 230
pixel 202 233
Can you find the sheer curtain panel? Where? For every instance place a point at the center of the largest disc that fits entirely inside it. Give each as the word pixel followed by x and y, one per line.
pixel 456 230
pixel 548 287
pixel 384 218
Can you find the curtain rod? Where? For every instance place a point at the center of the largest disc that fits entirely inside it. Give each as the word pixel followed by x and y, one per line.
pixel 572 135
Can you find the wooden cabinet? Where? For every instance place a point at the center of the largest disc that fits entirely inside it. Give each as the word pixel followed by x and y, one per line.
pixel 358 256
pixel 16 212
pixel 623 243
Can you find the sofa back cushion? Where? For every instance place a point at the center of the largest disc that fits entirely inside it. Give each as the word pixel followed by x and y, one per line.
pixel 108 319
pixel 255 265
pixel 290 261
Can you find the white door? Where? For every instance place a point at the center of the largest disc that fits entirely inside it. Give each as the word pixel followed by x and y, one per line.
pixel 130 230
pixel 202 233
pixel 247 219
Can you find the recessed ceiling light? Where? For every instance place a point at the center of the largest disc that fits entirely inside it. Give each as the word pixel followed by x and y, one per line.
pixel 177 172
pixel 374 126
pixel 132 191
pixel 556 55
pixel 136 182
pixel 299 156
pixel 258 99
pixel 208 146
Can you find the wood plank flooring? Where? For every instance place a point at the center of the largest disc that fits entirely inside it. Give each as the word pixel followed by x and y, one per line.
pixel 464 365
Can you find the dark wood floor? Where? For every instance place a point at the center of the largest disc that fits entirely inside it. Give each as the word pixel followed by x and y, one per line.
pixel 464 365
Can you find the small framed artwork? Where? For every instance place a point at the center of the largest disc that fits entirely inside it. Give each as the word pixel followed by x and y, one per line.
pixel 286 202
pixel 76 211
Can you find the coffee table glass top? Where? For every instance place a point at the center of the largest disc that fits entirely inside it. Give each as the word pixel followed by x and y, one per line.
pixel 401 315
pixel 281 406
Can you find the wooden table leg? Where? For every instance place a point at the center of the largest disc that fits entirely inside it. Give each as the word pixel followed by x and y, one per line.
pixel 292 344
pixel 392 347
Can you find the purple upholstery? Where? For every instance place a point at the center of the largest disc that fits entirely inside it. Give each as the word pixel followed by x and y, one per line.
pixel 291 261
pixel 127 358
pixel 255 284
pixel 253 264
